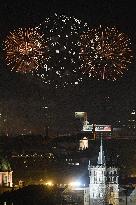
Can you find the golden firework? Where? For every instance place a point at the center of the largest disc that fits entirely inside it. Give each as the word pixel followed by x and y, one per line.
pixel 24 50
pixel 105 53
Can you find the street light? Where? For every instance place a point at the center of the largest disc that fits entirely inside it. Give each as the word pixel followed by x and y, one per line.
pixel 49 183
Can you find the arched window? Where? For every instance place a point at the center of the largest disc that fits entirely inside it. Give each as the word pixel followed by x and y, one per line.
pixel 115 172
pixel 114 178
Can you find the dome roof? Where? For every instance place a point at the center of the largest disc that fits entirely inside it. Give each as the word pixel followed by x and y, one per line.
pixel 4 165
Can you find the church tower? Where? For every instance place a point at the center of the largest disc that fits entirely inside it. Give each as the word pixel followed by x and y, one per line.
pixel 103 187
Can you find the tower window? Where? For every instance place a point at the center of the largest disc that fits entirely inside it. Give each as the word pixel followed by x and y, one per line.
pixel 95 179
pixel 100 194
pixel 111 189
pixel 108 179
pixel 114 178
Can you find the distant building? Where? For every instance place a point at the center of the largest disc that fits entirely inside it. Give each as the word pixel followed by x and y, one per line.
pixel 97 131
pixel 83 144
pixel 5 174
pixel 103 187
pixel 132 120
pixel 127 195
pixel 73 196
pixel 127 128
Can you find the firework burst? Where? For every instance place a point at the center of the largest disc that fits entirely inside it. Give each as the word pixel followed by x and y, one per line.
pixel 24 50
pixel 105 53
pixel 62 37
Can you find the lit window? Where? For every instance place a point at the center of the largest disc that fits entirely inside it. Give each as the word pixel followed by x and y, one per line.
pixel 101 195
pixel 5 179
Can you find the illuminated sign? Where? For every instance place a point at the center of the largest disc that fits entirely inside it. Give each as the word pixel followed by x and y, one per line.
pixel 103 128
pixel 98 128
pixel 80 114
pixel 88 128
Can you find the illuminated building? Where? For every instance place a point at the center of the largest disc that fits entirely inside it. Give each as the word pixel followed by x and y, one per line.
pixel 83 144
pixel 98 131
pixel 103 187
pixel 132 120
pixel 5 173
pixel 126 128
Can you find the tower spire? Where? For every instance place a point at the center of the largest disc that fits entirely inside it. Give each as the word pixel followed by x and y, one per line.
pixel 101 157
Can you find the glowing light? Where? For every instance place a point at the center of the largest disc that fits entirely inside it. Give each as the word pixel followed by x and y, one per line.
pixel 49 183
pixel 24 50
pixel 75 184
pixel 105 53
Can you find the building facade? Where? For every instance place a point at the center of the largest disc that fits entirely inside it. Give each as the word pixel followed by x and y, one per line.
pixel 103 188
pixel 5 173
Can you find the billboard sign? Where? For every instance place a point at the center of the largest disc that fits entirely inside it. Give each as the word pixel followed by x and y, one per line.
pixel 80 115
pixel 103 128
pixel 98 128
pixel 88 128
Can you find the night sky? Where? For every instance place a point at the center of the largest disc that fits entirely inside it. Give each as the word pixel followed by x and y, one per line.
pixel 21 96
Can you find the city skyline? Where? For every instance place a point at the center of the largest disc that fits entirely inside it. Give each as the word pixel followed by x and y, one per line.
pixel 104 101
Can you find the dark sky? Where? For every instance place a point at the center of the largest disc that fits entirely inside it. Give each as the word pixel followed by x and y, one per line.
pixel 22 96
